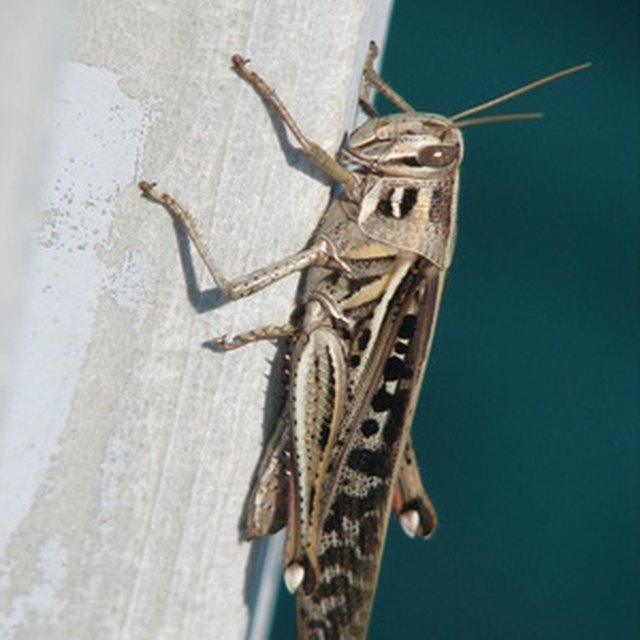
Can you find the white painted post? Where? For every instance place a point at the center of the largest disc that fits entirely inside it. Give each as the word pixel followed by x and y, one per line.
pixel 127 449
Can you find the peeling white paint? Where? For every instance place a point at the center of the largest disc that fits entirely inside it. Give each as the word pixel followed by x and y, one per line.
pixel 41 601
pixel 96 143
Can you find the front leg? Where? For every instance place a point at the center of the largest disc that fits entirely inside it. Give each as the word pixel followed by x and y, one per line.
pixel 370 79
pixel 312 150
pixel 322 253
pixel 365 99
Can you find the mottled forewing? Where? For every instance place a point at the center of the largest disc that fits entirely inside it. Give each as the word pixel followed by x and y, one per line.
pixel 374 433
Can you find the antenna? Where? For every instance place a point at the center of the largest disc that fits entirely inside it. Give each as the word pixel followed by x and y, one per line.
pixel 513 94
pixel 501 117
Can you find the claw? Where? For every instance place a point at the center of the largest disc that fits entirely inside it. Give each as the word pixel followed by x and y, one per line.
pixel 223 343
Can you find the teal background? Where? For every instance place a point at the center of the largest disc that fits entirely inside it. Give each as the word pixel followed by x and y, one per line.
pixel 528 429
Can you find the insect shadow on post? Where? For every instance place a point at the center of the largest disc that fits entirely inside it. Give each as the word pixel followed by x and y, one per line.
pixel 202 300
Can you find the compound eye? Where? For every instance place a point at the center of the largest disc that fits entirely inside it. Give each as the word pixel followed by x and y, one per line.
pixel 437 155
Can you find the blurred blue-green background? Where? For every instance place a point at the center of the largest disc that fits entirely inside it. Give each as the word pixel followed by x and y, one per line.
pixel 528 429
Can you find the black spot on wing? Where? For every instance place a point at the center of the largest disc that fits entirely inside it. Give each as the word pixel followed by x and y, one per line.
pixel 401 347
pixel 363 339
pixel 394 369
pixel 395 421
pixel 369 427
pixel 381 400
pixel 407 326
pixel 371 463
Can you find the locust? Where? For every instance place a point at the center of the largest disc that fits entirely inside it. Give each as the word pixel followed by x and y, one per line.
pixel 340 457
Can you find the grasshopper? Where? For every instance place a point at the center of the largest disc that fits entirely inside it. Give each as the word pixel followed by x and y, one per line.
pixel 341 457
